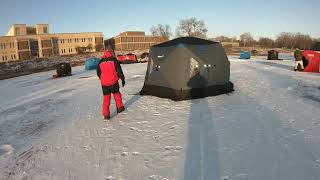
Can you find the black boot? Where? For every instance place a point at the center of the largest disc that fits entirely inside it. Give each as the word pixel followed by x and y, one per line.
pixel 120 109
pixel 106 117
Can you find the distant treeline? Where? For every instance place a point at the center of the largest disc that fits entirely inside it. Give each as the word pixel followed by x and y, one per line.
pixel 283 40
pixel 197 28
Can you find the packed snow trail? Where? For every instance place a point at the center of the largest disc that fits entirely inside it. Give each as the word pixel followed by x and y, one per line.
pixel 269 128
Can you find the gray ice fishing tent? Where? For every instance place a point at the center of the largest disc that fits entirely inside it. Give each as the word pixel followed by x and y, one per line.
pixel 187 68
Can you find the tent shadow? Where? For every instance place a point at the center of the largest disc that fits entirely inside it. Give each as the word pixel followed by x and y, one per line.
pixel 202 160
pixel 202 157
pixel 128 103
pixel 273 64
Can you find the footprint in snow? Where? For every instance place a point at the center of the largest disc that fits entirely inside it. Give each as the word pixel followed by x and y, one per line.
pixel 174 126
pixel 6 149
pixel 292 121
pixel 124 154
pixel 224 178
pixel 136 153
pixel 317 164
pixel 133 128
pixel 109 178
pixel 155 177
pixel 177 148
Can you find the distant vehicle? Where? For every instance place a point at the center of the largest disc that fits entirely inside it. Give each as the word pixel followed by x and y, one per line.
pixel 127 59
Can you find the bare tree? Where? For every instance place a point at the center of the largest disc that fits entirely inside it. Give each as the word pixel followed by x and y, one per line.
pixel 294 40
pixel 316 45
pixel 285 39
pixel 223 39
pixel 246 39
pixel 163 30
pixel 266 42
pixel 192 28
pixel 303 41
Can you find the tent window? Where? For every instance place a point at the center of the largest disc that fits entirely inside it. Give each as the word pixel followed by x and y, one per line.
pixel 194 67
pixel 157 68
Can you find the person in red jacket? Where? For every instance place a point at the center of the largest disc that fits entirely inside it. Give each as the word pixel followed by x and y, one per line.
pixel 109 72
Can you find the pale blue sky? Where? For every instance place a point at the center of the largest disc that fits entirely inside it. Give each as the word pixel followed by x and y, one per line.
pixel 228 17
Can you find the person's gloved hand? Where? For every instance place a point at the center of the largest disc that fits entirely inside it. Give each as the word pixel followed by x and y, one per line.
pixel 123 82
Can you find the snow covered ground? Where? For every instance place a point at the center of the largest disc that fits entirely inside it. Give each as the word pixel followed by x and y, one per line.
pixel 268 129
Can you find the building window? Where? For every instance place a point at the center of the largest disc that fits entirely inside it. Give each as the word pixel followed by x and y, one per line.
pixel 14 56
pixel 45 30
pixel 17 29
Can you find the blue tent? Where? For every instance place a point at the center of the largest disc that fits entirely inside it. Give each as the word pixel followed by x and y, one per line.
pixel 92 63
pixel 245 55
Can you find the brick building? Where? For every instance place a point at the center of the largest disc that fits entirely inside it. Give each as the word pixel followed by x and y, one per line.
pixel 24 42
pixel 133 40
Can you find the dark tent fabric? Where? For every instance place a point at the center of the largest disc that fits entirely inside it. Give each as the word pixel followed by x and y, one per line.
pixel 92 63
pixel 273 55
pixel 63 69
pixel 187 68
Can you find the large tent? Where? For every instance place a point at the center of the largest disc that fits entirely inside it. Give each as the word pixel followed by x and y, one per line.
pixel 311 61
pixel 187 68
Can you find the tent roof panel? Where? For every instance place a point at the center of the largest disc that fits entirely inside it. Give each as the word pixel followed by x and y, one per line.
pixel 186 40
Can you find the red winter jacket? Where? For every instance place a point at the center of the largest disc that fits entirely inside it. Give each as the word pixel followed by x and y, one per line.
pixel 109 70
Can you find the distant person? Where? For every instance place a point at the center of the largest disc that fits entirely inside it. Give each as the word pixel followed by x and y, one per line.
pixel 109 72
pixel 298 56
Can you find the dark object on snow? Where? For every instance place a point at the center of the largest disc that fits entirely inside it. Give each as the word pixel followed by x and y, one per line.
pixel 187 68
pixel 144 55
pixel 273 55
pixel 254 52
pixel 245 55
pixel 63 69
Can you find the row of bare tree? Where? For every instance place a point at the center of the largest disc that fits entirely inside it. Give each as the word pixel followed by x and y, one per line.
pixel 283 40
pixel 197 28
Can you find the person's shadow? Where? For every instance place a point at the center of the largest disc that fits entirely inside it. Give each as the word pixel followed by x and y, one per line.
pixel 202 162
pixel 197 83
